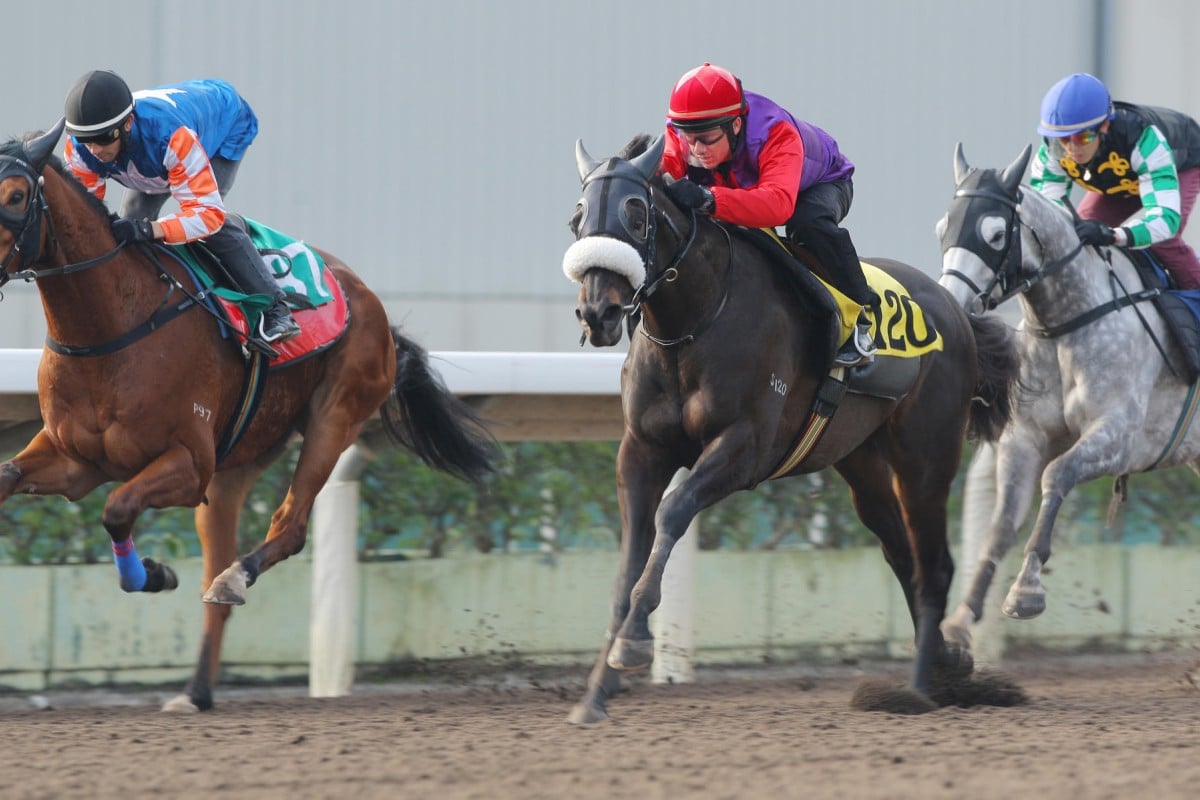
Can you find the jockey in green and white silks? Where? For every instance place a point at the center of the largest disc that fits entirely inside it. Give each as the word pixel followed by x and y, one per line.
pixel 1139 165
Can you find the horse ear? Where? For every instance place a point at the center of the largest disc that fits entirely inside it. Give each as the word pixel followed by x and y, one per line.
pixel 647 163
pixel 38 150
pixel 584 162
pixel 1011 177
pixel 961 168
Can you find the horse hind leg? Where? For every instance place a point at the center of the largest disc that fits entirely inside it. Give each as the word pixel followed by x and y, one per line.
pixel 216 525
pixel 322 446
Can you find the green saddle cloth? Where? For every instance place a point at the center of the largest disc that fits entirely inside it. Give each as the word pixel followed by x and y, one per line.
pixel 299 270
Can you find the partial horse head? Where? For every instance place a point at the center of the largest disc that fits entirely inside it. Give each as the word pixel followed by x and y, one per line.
pixel 22 205
pixel 999 241
pixel 614 230
pixel 981 233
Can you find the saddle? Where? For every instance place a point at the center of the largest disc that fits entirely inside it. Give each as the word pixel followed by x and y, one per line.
pixel 897 363
pixel 312 292
pixel 1180 309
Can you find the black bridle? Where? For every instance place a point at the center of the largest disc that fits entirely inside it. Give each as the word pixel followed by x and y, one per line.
pixel 1005 265
pixel 26 228
pixel 27 232
pixel 669 274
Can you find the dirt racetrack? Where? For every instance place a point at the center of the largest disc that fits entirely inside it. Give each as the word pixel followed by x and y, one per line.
pixel 1096 727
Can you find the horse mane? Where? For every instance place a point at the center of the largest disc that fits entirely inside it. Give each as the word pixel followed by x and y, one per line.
pixel 637 145
pixel 15 147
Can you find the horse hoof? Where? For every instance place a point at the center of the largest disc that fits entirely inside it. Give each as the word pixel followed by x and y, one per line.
pixel 1024 605
pixel 629 654
pixel 584 714
pixel 956 662
pixel 181 704
pixel 228 588
pixel 956 628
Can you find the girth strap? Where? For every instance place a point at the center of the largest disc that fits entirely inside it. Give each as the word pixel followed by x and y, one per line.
pixel 252 389
pixel 829 395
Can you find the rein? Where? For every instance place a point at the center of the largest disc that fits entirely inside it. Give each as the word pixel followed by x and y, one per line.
pixel 670 274
pixel 164 313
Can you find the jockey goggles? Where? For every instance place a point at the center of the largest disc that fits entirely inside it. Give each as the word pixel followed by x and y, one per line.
pixel 101 139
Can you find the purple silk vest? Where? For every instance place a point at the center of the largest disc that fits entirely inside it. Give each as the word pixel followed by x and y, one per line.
pixel 823 162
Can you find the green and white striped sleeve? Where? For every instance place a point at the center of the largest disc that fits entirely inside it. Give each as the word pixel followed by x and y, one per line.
pixel 1158 185
pixel 1047 176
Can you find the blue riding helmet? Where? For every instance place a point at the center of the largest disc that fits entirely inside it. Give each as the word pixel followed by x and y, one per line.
pixel 1074 104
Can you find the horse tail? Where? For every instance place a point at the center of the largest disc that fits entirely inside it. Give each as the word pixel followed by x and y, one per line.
pixel 422 415
pixel 998 369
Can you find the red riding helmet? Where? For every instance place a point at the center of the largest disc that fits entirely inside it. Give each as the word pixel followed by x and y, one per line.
pixel 706 97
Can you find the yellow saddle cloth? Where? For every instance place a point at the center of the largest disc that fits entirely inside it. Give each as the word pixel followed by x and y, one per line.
pixel 899 327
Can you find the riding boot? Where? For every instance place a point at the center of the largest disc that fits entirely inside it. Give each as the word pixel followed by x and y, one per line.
pixel 860 348
pixel 232 245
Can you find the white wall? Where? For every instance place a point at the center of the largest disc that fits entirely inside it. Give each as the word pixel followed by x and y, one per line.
pixel 431 145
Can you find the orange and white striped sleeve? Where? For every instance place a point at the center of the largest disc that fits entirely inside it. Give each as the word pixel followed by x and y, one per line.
pixel 90 180
pixel 193 184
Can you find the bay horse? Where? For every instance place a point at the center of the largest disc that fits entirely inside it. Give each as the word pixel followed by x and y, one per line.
pixel 1100 390
pixel 722 378
pixel 148 410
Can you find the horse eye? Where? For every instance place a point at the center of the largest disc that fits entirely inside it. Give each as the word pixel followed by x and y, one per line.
pixel 992 230
pixel 635 216
pixel 576 218
pixel 17 198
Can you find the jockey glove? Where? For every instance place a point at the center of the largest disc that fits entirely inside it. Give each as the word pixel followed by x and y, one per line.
pixel 1092 232
pixel 131 231
pixel 689 194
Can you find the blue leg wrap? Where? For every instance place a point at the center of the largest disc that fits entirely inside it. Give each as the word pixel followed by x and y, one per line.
pixel 129 566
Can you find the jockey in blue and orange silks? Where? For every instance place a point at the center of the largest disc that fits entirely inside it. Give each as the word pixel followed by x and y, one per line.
pixel 185 141
pixel 746 160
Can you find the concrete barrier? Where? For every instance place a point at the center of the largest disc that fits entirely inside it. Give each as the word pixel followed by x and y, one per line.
pixel 71 626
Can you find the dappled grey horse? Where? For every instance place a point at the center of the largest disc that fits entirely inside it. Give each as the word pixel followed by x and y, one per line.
pixel 1098 395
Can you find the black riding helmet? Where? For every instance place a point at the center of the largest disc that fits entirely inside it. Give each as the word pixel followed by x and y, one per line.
pixel 97 105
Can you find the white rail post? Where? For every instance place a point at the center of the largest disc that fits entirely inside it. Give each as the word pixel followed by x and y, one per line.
pixel 333 534
pixel 672 623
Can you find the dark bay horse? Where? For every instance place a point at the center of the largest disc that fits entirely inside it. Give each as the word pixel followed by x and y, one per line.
pixel 722 377
pixel 149 413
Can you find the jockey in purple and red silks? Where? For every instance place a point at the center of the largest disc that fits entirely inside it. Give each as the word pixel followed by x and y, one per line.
pixel 748 161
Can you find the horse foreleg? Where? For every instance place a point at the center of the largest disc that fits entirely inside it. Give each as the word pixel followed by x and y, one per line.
pixel 168 481
pixel 216 525
pixel 42 469
pixel 640 486
pixel 1100 453
pixel 720 470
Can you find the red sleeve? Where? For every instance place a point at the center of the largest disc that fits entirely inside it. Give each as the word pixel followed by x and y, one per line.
pixel 674 160
pixel 771 201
